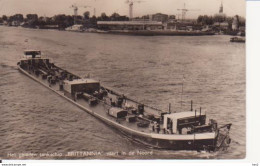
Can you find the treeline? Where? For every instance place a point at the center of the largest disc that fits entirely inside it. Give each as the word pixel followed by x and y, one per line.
pixel 210 20
pixel 61 21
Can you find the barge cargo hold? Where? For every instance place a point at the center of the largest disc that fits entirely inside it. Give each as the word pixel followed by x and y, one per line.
pixel 188 130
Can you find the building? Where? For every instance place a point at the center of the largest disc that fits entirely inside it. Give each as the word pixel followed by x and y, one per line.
pixel 221 25
pixel 184 25
pixel 235 23
pixel 171 18
pixel 160 17
pixel 129 25
pixel 221 9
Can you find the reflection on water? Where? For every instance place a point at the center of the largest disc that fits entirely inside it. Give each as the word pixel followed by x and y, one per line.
pixel 149 69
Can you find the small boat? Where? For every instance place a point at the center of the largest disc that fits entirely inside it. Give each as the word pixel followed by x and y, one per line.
pixel 238 39
pixel 188 130
pixel 75 28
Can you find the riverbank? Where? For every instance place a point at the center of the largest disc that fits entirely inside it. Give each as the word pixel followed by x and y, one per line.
pixel 139 32
pixel 159 33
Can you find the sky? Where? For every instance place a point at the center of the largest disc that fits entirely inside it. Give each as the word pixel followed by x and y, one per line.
pixel 52 7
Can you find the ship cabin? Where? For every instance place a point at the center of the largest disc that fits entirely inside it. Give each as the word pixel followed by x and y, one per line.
pixel 81 86
pixel 32 59
pixel 185 122
pixel 28 54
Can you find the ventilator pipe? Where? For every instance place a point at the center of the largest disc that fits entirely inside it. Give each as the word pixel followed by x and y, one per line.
pixel 191 109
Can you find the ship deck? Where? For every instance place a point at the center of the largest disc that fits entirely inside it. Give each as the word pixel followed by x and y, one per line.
pixel 101 108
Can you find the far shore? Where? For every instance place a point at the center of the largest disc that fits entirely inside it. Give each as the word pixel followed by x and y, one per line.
pixel 168 32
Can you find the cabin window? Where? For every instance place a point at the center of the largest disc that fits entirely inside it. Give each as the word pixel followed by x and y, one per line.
pixel 169 123
pixel 33 53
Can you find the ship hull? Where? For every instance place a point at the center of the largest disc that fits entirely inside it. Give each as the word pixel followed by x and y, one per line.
pixel 199 141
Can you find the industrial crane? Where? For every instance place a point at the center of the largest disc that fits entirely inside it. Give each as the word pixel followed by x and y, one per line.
pixel 184 11
pixel 75 8
pixel 131 4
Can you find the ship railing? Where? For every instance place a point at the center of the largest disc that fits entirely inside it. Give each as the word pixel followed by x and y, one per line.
pixel 111 90
pixel 78 77
pixel 223 136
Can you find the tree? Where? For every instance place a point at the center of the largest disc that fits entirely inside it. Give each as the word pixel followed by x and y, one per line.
pixel 4 18
pixel 241 20
pixel 33 23
pixel 64 21
pixel 205 20
pixel 48 21
pixel 79 18
pixel 123 18
pixel 32 17
pixel 229 20
pixel 209 20
pixel 69 21
pixel 104 17
pixel 145 17
pixel 200 19
pixel 115 17
pixel 60 20
pixel 86 15
pixel 18 17
pixel 93 21
pixel 173 17
pixel 219 18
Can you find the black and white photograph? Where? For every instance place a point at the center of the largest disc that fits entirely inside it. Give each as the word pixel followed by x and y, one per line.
pixel 123 79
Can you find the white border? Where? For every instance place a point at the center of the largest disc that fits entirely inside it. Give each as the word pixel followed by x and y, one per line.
pixel 253 81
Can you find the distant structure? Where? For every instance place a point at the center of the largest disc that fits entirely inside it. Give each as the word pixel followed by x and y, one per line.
pixel 75 8
pixel 220 14
pixel 235 23
pixel 221 9
pixel 159 17
pixel 221 24
pixel 184 11
pixel 131 4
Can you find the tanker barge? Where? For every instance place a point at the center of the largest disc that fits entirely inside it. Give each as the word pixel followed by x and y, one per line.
pixel 188 130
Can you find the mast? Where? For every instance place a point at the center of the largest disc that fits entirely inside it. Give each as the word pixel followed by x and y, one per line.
pixel 182 90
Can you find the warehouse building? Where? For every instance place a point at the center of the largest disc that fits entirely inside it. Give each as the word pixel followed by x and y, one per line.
pixel 129 25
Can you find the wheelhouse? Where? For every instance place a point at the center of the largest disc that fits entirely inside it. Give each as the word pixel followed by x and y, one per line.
pixel 183 122
pixel 32 54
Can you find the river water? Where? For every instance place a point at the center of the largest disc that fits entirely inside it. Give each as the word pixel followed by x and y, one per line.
pixel 149 69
